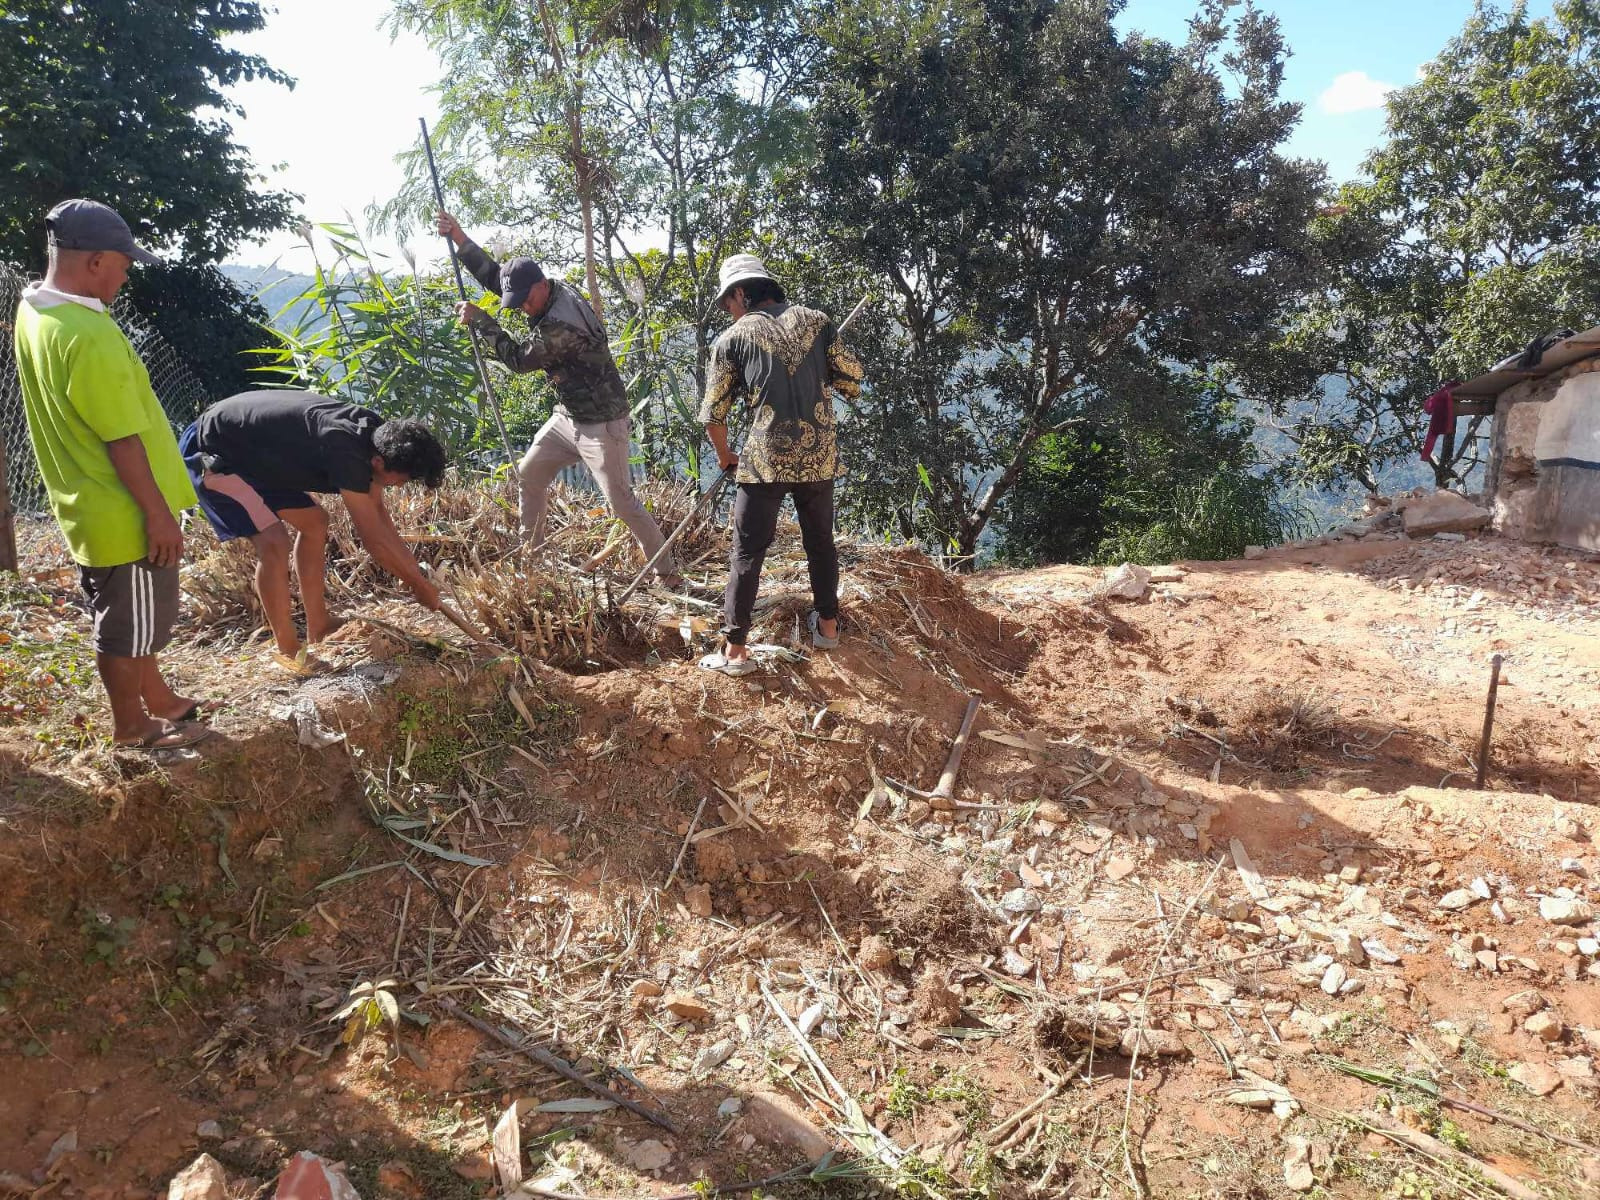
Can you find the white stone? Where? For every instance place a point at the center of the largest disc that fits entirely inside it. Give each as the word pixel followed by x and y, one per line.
pixel 1457 900
pixel 1349 947
pixel 648 1155
pixel 1443 512
pixel 1565 912
pixel 713 1056
pixel 203 1179
pixel 1538 1078
pixel 1128 582
pixel 1297 1173
pixel 1379 952
pixel 1019 902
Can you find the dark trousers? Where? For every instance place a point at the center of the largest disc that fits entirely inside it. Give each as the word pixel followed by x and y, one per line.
pixel 755 520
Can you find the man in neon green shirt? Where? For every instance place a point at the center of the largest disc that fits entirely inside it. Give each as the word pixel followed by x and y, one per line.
pixel 110 464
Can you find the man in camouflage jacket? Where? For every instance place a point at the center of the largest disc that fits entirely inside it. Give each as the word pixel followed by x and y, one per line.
pixel 591 423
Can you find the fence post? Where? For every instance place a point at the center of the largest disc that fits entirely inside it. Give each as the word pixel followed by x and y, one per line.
pixel 8 529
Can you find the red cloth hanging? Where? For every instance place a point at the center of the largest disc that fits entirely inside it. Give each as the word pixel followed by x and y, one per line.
pixel 1441 410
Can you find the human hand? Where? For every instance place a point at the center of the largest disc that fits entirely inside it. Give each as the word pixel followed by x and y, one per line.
pixel 731 462
pixel 469 314
pixel 163 539
pixel 425 594
pixel 449 226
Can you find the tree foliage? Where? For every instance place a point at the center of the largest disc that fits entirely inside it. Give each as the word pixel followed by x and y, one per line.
pixel 207 319
pixel 684 109
pixel 124 100
pixel 1058 213
pixel 1476 229
pixel 1183 480
pixel 384 339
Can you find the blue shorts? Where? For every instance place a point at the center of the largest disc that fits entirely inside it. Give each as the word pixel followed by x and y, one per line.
pixel 235 507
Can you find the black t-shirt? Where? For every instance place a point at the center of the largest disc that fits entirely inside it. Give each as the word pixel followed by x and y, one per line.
pixel 289 441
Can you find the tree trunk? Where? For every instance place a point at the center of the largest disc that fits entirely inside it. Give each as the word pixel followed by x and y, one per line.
pixel 587 207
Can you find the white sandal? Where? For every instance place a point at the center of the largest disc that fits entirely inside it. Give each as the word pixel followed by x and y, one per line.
pixel 818 639
pixel 720 662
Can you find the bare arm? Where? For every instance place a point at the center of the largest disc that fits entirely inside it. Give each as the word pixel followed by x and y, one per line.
pixel 163 535
pixel 723 383
pixel 718 433
pixel 382 540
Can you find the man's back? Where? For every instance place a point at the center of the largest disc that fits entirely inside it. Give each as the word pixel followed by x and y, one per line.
pixel 779 357
pixel 289 441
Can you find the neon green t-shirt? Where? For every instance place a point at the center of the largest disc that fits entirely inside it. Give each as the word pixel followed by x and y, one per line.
pixel 83 385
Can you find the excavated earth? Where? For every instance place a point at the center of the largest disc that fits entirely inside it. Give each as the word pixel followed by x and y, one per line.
pixel 1210 850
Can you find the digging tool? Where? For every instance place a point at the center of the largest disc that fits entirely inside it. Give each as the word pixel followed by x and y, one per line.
pixel 945 789
pixel 694 515
pixel 943 795
pixel 461 287
pixel 716 486
pixel 1488 720
pixel 461 623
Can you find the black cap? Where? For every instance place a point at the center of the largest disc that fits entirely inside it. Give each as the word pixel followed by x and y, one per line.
pixel 90 225
pixel 517 278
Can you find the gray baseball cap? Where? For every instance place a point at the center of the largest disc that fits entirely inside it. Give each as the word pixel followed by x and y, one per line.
pixel 90 225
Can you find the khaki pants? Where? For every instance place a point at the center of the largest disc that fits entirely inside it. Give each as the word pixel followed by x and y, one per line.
pixel 602 447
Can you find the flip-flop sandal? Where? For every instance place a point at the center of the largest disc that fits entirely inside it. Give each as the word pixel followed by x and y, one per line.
pixel 200 710
pixel 718 661
pixel 302 665
pixel 182 733
pixel 817 639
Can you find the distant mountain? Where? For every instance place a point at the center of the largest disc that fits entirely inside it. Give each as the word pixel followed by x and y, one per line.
pixel 277 290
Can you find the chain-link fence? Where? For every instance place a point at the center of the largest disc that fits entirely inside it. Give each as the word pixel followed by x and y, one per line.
pixel 177 387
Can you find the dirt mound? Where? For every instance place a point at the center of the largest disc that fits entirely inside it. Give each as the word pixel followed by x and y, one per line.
pixel 1204 899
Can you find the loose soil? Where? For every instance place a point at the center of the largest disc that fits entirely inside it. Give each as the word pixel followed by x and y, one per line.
pixel 1211 845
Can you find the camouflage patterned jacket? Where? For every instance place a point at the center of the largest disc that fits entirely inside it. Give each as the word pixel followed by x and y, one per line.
pixel 785 360
pixel 568 344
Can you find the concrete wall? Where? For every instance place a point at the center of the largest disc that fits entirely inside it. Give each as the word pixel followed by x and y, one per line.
pixel 1544 502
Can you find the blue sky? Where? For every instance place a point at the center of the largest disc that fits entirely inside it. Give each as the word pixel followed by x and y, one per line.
pixel 359 93
pixel 1342 55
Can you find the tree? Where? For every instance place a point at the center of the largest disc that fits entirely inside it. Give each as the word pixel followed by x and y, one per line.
pixel 1477 229
pixel 207 319
pixel 118 99
pixel 1178 480
pixel 635 141
pixel 1058 214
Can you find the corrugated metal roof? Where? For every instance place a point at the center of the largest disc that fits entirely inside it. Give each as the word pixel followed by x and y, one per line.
pixel 1563 354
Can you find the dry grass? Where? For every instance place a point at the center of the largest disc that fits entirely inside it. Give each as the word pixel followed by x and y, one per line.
pixel 1281 726
pixel 555 604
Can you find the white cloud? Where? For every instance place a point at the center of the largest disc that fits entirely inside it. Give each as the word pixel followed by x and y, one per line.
pixel 1353 91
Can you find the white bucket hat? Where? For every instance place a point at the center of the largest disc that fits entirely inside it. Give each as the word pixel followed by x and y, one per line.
pixel 736 269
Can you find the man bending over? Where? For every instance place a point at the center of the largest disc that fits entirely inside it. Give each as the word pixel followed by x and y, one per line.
pixel 255 459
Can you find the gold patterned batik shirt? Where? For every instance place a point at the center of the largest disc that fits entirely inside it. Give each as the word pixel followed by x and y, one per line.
pixel 786 362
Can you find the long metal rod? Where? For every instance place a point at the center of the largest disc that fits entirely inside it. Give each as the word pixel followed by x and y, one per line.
pixel 461 287
pixel 683 526
pixel 1488 720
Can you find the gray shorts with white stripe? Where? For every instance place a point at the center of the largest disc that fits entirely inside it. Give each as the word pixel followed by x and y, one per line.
pixel 135 606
